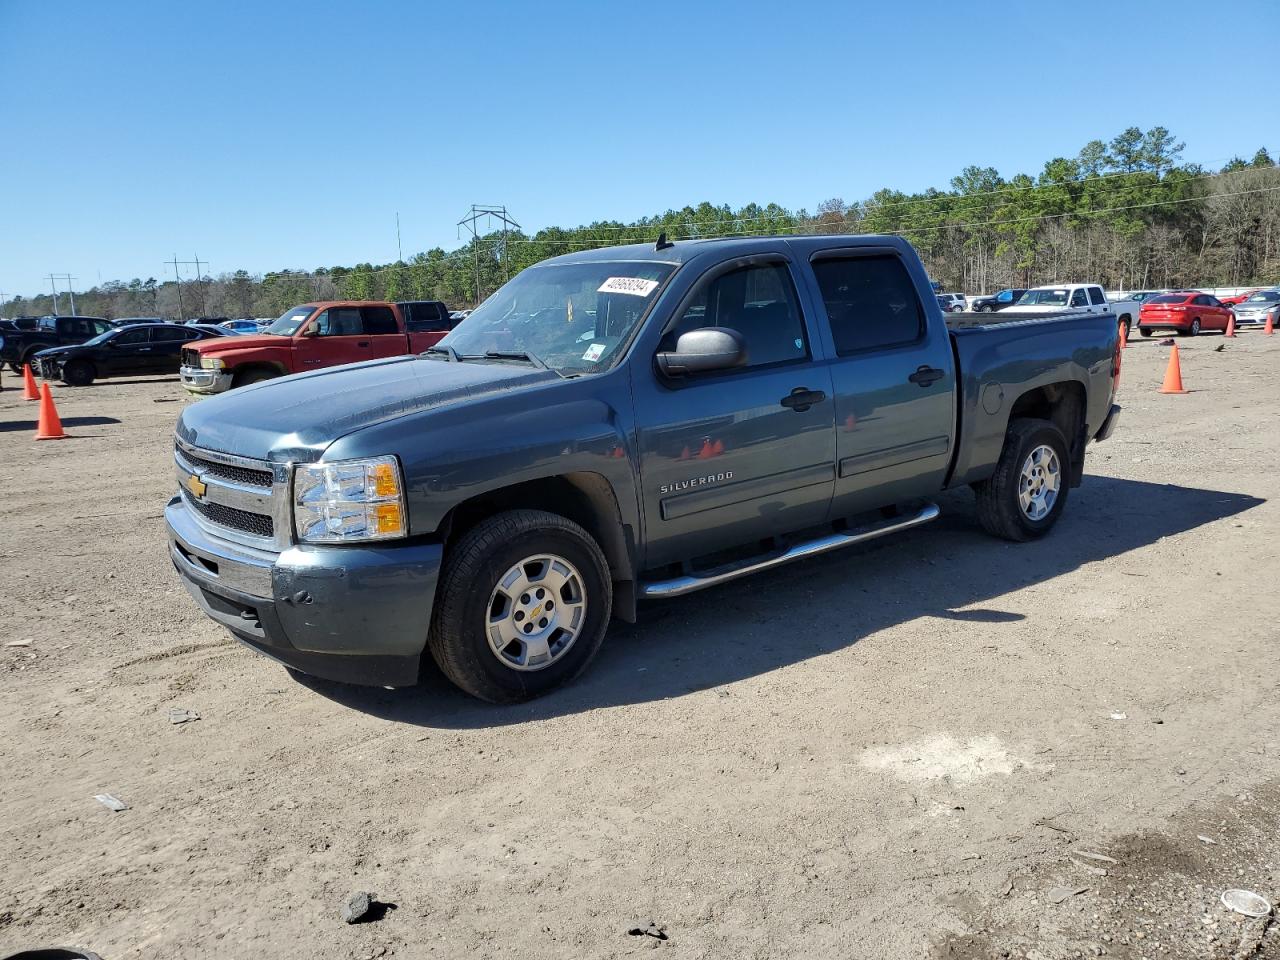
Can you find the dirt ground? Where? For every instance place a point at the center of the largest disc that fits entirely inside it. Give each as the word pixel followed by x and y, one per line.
pixel 915 749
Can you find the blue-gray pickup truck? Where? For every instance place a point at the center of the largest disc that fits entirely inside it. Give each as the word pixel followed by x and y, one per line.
pixel 615 425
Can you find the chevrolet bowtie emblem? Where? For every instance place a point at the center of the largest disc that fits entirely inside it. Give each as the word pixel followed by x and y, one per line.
pixel 196 486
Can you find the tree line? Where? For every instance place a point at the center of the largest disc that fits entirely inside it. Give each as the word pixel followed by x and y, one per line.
pixel 1128 213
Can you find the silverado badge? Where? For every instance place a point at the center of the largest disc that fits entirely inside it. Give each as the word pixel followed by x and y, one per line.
pixel 196 486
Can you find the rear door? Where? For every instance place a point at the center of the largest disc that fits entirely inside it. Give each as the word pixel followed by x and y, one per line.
pixel 382 331
pixel 738 455
pixel 167 341
pixel 894 379
pixel 427 324
pixel 1097 300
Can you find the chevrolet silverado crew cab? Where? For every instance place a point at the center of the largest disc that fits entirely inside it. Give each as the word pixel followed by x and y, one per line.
pixel 615 425
pixel 313 336
pixel 1081 297
pixel 19 346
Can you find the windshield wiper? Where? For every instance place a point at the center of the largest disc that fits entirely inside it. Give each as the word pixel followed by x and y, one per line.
pixel 447 350
pixel 516 355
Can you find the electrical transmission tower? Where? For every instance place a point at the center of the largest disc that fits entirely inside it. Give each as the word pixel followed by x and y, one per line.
pixel 197 262
pixel 53 277
pixel 488 213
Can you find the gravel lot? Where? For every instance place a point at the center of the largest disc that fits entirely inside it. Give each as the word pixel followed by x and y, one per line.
pixel 900 751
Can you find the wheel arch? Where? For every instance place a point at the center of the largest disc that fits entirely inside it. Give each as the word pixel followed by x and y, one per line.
pixel 585 497
pixel 1064 404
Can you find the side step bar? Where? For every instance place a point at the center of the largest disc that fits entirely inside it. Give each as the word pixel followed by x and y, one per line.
pixel 679 586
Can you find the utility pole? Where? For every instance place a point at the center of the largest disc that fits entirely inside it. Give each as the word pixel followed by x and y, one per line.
pixel 488 213
pixel 200 282
pixel 178 279
pixel 55 294
pixel 53 277
pixel 399 249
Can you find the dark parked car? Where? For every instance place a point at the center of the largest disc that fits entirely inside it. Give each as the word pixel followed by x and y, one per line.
pixel 18 347
pixel 1000 301
pixel 130 321
pixel 121 352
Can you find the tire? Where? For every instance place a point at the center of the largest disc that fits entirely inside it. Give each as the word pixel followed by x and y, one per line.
pixel 985 308
pixel 1000 507
pixel 1146 331
pixel 252 376
pixel 77 373
pixel 1124 325
pixel 1193 331
pixel 16 367
pixel 469 605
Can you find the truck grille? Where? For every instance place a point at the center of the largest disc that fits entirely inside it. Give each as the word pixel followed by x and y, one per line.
pixel 190 358
pixel 226 471
pixel 254 524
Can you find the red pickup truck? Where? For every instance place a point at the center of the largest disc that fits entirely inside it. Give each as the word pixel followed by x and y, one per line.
pixel 313 336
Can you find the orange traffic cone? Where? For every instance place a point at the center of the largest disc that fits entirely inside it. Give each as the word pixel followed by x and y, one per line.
pixel 1124 336
pixel 850 423
pixel 707 451
pixel 50 427
pixel 684 454
pixel 717 448
pixel 1231 325
pixel 29 391
pixel 1270 328
pixel 1173 374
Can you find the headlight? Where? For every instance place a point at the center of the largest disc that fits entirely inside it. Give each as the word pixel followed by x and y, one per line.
pixel 211 363
pixel 349 501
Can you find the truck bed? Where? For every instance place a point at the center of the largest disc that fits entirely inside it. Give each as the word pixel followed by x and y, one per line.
pixel 1006 356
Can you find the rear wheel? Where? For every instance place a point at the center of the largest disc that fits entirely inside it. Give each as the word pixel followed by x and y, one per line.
pixel 1193 330
pixel 522 606
pixel 77 373
pixel 1028 491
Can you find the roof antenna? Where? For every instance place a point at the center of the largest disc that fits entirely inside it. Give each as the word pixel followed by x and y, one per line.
pixel 663 243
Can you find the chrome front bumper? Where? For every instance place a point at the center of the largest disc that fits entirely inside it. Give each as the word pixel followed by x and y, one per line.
pixel 198 380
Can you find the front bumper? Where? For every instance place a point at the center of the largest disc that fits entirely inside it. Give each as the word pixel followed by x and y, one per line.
pixel 199 380
pixel 351 614
pixel 1109 424
pixel 47 369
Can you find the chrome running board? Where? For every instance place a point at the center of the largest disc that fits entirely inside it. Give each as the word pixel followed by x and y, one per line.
pixel 679 586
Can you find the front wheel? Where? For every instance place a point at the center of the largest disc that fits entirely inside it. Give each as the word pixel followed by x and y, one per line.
pixel 522 607
pixel 985 308
pixel 247 377
pixel 1025 496
pixel 77 373
pixel 1146 331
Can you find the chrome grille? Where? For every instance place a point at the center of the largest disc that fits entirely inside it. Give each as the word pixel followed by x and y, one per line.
pixel 237 498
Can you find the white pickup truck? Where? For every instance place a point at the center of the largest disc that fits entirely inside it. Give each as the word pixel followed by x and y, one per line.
pixel 1085 297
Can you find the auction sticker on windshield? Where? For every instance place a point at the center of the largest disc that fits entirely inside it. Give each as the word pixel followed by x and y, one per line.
pixel 636 286
pixel 594 352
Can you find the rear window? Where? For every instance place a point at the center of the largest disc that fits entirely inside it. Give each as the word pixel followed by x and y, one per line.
pixel 1170 298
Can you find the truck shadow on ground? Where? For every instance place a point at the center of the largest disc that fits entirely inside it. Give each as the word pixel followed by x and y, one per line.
pixel 813 607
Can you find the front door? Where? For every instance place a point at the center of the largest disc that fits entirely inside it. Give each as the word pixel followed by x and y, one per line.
pixel 349 335
pixel 740 455
pixel 167 341
pixel 128 354
pixel 894 380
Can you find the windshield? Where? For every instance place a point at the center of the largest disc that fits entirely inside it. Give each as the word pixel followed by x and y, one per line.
pixel 101 338
pixel 574 317
pixel 1265 296
pixel 1056 298
pixel 287 324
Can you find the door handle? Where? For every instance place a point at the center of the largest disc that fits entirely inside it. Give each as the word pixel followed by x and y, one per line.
pixel 362 343
pixel 802 398
pixel 925 375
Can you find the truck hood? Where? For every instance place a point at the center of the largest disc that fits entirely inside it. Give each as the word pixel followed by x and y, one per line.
pixel 297 417
pixel 216 345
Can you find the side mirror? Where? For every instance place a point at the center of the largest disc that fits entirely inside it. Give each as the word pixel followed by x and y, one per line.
pixel 703 350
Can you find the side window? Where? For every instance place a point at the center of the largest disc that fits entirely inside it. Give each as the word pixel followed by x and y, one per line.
pixel 100 326
pixel 426 317
pixel 871 302
pixel 49 323
pixel 1203 301
pixel 760 303
pixel 131 338
pixel 1078 298
pixel 1096 296
pixel 378 320
pixel 1005 296
pixel 339 322
pixel 167 334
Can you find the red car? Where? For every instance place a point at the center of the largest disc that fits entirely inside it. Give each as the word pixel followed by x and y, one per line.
pixel 1237 298
pixel 1188 312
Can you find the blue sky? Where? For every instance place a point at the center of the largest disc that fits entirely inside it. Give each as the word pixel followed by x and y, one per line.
pixel 266 135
